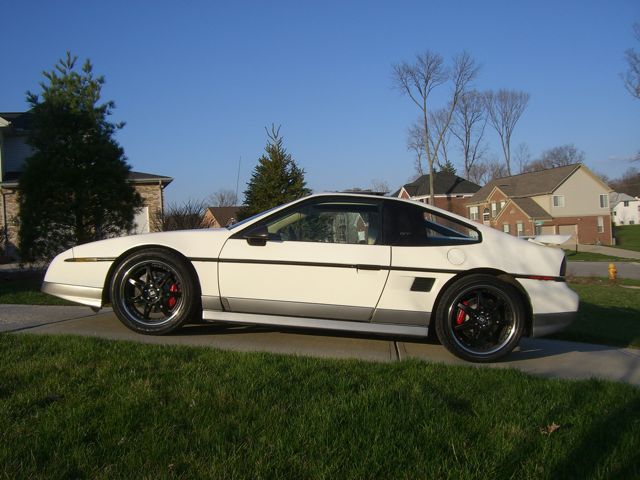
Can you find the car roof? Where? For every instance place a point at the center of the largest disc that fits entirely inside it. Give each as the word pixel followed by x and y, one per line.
pixel 391 199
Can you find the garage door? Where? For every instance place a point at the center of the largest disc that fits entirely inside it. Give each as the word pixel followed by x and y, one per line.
pixel 548 230
pixel 569 230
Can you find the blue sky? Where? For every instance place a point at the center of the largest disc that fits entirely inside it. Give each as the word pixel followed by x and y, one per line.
pixel 197 82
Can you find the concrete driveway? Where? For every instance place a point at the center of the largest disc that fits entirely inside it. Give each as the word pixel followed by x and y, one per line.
pixel 549 358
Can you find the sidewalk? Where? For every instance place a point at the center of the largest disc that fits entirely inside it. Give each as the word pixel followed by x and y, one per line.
pixel 615 252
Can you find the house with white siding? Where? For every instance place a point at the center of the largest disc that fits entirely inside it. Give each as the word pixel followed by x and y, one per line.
pixel 625 209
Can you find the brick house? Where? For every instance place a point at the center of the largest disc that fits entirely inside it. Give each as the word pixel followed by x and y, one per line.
pixel 450 191
pixel 218 217
pixel 14 150
pixel 568 200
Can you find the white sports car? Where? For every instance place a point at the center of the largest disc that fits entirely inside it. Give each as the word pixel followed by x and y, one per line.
pixel 354 263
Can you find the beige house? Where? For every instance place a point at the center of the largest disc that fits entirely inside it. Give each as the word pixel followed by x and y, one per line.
pixel 14 150
pixel 567 200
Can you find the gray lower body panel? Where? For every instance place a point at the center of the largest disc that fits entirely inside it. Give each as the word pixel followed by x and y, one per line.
pixel 548 323
pixel 298 309
pixel 91 296
pixel 316 323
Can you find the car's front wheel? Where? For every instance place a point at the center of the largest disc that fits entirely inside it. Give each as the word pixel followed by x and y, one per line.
pixel 480 318
pixel 153 292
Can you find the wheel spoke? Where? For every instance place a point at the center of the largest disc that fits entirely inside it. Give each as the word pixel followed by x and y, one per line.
pixel 147 310
pixel 164 279
pixel 496 305
pixel 137 299
pixel 469 324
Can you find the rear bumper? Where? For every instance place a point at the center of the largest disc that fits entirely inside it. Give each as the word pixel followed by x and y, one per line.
pixel 548 323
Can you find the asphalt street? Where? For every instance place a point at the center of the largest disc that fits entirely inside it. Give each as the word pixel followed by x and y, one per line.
pixel 601 269
pixel 549 358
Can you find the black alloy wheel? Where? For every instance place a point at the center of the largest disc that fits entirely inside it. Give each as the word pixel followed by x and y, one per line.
pixel 153 292
pixel 480 318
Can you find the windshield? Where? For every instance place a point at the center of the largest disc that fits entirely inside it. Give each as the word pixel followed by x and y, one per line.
pixel 252 217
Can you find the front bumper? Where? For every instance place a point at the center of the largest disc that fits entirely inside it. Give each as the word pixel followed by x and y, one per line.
pixel 75 293
pixel 548 323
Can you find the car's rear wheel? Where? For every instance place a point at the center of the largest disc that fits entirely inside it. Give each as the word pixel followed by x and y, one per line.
pixel 153 292
pixel 480 318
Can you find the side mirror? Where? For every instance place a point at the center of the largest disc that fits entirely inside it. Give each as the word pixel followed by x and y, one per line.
pixel 257 236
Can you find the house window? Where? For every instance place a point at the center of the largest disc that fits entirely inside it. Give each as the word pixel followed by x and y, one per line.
pixel 626 203
pixel 486 215
pixel 604 200
pixel 558 200
pixel 494 209
pixel 632 222
pixel 505 227
pixel 502 204
pixel 520 228
pixel 473 213
pixel 600 223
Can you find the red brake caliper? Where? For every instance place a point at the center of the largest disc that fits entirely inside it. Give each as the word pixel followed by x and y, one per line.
pixel 461 316
pixel 171 302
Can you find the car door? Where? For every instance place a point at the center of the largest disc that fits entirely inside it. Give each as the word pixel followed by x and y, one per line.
pixel 321 259
pixel 427 249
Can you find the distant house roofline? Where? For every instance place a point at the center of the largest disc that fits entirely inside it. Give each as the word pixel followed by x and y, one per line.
pixel 138 178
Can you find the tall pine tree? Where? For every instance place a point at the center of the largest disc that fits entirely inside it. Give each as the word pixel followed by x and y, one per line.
pixel 74 187
pixel 275 180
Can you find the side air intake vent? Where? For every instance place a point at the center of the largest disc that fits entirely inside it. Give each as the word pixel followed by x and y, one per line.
pixel 422 284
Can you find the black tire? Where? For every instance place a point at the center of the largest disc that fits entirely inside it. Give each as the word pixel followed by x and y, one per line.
pixel 480 318
pixel 154 292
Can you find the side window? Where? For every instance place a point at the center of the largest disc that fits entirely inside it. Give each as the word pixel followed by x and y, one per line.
pixel 329 222
pixel 410 225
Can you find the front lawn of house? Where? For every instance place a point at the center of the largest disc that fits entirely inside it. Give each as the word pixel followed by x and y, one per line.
pixel 627 237
pixel 573 256
pixel 89 408
pixel 609 312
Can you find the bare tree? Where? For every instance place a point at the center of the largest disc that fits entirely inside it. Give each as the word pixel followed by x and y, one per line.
pixel 484 171
pixel 224 198
pixel 632 76
pixel 505 107
pixel 186 216
pixel 522 156
pixel 415 144
pixel 380 186
pixel 419 79
pixel 440 134
pixel 556 157
pixel 469 122
pixel 628 183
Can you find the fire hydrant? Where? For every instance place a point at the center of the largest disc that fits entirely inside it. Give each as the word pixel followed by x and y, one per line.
pixel 613 272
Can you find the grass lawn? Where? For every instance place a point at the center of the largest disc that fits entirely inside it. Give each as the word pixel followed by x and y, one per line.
pixel 24 288
pixel 628 237
pixel 573 256
pixel 609 313
pixel 89 408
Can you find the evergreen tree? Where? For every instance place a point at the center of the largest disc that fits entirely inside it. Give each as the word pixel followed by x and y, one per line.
pixel 448 167
pixel 74 187
pixel 275 180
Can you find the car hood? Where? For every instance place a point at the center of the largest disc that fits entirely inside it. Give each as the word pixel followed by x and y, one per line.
pixel 205 243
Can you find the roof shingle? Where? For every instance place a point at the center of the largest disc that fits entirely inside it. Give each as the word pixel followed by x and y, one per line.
pixel 527 184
